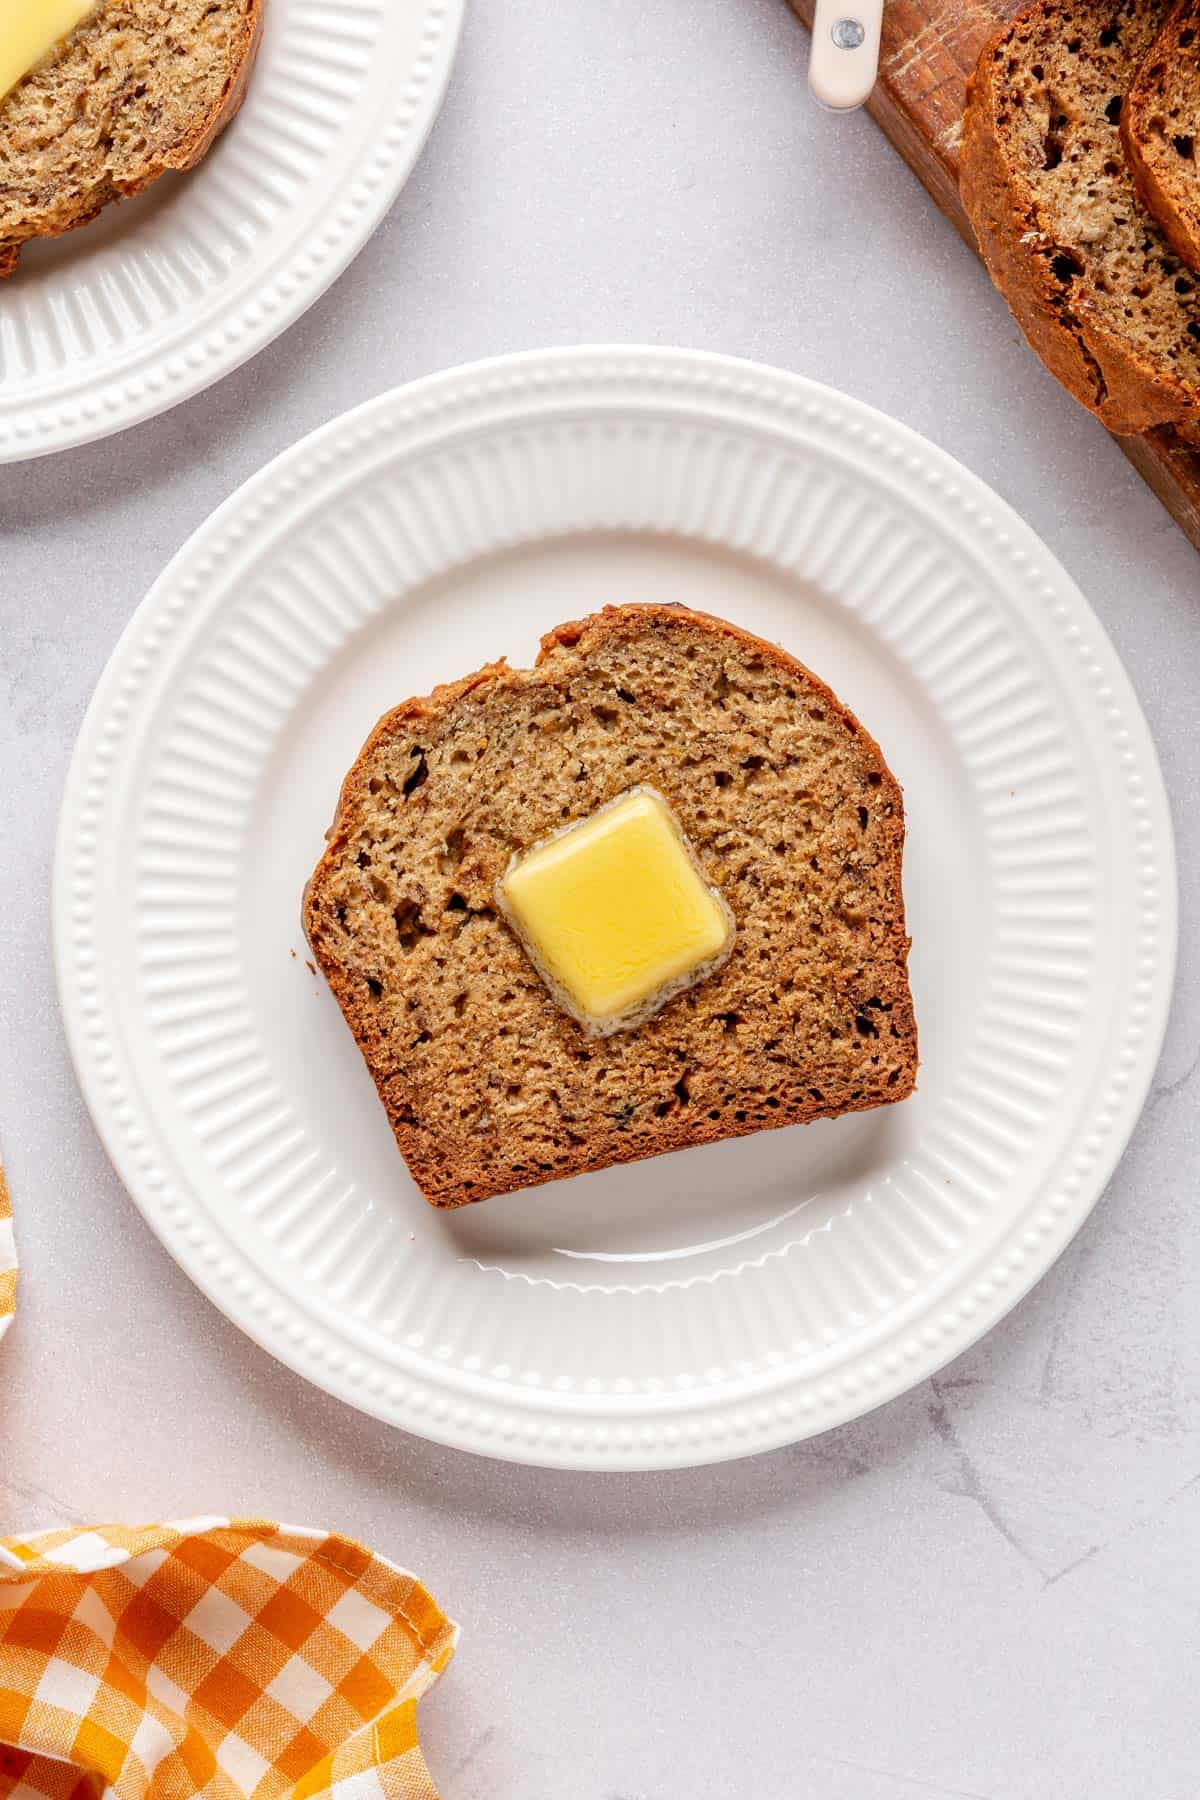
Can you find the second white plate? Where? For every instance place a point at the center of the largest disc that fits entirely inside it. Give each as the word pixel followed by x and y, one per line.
pixel 722 1300
pixel 166 293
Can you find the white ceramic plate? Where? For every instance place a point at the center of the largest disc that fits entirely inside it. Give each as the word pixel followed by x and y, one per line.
pixel 166 293
pixel 718 1301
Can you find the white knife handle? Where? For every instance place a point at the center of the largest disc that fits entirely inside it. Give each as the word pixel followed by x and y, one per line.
pixel 845 51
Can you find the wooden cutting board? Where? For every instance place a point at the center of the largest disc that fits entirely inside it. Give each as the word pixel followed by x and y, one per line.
pixel 929 48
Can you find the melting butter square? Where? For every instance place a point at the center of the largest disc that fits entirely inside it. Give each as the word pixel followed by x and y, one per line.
pixel 29 30
pixel 615 913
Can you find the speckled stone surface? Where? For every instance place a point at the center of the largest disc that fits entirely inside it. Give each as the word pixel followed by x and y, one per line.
pixel 990 1589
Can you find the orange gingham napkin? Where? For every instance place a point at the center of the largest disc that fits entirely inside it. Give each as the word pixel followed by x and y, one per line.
pixel 8 1261
pixel 228 1657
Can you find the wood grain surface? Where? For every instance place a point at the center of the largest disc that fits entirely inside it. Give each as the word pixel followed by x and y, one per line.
pixel 928 50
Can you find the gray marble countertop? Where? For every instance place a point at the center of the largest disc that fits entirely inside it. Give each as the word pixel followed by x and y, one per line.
pixel 990 1588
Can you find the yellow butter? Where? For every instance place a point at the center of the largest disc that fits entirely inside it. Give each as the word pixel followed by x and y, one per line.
pixel 615 912
pixel 29 30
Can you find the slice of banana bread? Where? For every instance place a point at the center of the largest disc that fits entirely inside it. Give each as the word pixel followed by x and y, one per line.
pixel 1093 283
pixel 794 816
pixel 1160 123
pixel 140 87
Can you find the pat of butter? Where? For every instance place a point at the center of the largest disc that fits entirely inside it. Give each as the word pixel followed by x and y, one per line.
pixel 615 913
pixel 29 30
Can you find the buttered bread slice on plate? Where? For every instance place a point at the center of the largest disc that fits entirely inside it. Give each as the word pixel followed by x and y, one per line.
pixel 643 896
pixel 96 102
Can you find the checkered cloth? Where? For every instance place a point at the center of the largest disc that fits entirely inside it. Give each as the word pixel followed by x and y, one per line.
pixel 228 1657
pixel 8 1261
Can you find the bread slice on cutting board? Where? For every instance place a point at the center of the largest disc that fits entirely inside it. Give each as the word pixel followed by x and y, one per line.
pixel 139 87
pixel 795 820
pixel 1160 127
pixel 1096 286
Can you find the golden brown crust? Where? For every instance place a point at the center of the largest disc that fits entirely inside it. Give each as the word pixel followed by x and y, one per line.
pixel 1103 370
pixel 1170 193
pixel 190 150
pixel 195 148
pixel 455 1171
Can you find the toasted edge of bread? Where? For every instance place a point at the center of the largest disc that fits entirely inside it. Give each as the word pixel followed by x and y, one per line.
pixel 1168 184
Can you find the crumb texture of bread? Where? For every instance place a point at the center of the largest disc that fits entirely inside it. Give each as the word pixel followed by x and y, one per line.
pixel 795 819
pixel 139 87
pixel 1097 288
pixel 1160 123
